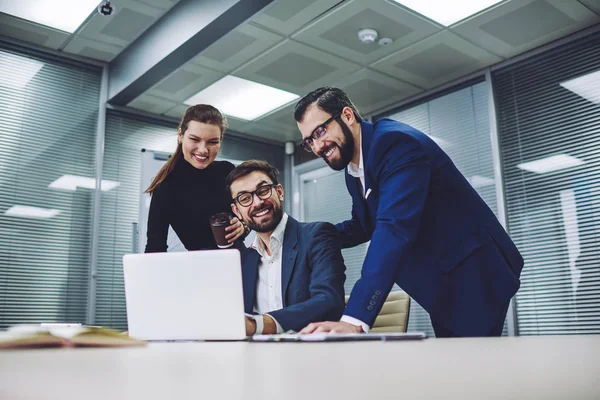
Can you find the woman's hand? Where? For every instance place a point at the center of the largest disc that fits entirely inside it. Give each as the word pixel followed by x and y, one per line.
pixel 235 230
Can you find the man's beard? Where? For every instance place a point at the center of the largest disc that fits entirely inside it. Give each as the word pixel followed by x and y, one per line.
pixel 346 150
pixel 267 226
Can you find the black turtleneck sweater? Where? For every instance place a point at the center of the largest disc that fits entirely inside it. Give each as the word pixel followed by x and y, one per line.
pixel 185 200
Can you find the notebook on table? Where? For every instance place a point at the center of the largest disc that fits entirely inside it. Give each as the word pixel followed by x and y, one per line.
pixel 338 337
pixel 40 336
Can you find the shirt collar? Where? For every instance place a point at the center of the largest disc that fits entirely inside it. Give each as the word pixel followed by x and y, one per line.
pixel 354 170
pixel 276 239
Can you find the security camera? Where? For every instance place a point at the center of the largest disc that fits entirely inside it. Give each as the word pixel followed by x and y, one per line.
pixel 105 8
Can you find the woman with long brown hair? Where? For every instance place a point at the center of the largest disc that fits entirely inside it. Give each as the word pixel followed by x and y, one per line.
pixel 190 187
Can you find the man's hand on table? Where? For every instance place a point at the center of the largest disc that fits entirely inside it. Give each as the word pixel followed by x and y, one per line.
pixel 331 327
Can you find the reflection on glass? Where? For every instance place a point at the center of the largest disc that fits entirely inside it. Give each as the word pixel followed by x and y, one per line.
pixel 478 181
pixel 551 164
pixel 31 212
pixel 586 86
pixel 16 71
pixel 72 182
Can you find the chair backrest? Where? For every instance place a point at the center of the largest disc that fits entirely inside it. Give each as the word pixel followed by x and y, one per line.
pixel 393 316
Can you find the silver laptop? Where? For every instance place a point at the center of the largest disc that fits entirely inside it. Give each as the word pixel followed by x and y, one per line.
pixel 194 295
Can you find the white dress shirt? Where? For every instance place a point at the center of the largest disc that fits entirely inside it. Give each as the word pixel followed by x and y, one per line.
pixel 269 296
pixel 357 171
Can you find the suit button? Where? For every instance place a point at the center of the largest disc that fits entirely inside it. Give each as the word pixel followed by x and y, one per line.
pixel 370 308
pixel 377 292
pixel 374 297
pixel 372 302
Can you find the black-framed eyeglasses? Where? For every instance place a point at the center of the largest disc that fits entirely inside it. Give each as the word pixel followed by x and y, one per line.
pixel 318 133
pixel 263 192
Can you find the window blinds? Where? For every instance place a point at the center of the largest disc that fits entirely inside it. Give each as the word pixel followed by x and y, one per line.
pixel 48 119
pixel 548 110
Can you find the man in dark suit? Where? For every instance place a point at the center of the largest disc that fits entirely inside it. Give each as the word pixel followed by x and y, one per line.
pixel 294 272
pixel 430 232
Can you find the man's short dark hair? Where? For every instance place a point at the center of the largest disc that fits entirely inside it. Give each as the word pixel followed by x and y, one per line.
pixel 329 99
pixel 248 167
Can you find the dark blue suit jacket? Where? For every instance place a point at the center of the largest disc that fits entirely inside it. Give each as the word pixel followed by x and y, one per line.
pixel 430 232
pixel 312 276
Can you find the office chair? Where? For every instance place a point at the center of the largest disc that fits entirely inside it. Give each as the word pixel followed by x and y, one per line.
pixel 393 316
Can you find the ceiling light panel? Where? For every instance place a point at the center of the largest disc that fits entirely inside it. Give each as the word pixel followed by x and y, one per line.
pixel 64 15
pixel 447 12
pixel 242 98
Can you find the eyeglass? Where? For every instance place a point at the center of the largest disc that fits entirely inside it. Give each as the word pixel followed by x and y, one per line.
pixel 263 192
pixel 318 133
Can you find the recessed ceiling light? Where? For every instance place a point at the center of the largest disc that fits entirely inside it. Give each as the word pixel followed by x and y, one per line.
pixel 17 71
pixel 447 12
pixel 586 86
pixel 72 182
pixel 64 15
pixel 551 164
pixel 242 98
pixel 31 212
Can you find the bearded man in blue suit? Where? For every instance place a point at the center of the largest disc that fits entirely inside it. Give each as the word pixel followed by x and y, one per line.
pixel 430 232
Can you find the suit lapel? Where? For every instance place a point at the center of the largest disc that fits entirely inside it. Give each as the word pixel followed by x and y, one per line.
pixel 288 256
pixel 250 275
pixel 358 202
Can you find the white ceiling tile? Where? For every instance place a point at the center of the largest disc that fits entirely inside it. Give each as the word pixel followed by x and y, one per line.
pixel 235 124
pixel 185 82
pixel 128 22
pixel 436 60
pixel 282 121
pixel 237 47
pixel 177 111
pixel 296 68
pixel 337 31
pixel 517 26
pixel 370 91
pixel 92 49
pixel 267 132
pixel 31 32
pixel 152 104
pixel 287 16
pixel 162 4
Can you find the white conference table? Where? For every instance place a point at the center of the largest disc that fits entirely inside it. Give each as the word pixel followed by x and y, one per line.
pixel 559 367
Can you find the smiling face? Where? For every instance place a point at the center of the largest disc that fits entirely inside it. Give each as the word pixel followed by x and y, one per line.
pixel 200 143
pixel 262 215
pixel 336 146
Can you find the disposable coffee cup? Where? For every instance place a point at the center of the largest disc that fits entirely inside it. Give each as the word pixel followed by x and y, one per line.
pixel 218 223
